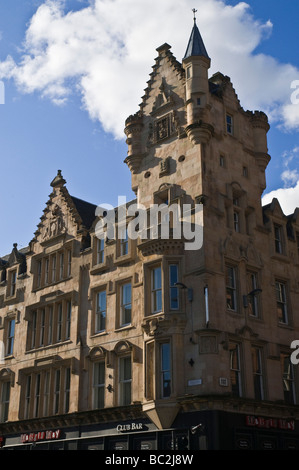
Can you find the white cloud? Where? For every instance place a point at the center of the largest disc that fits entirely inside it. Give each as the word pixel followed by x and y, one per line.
pixel 106 50
pixel 288 198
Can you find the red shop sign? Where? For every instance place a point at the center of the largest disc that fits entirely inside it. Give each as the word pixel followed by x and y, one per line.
pixel 40 436
pixel 270 423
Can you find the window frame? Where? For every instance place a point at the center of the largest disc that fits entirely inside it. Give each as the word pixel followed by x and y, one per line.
pixel 253 302
pixel 288 381
pixel 233 288
pixel 49 324
pixel 278 239
pixel 282 301
pixel 99 318
pixel 52 268
pixel 123 305
pixel 156 294
pixel 4 400
pixel 235 371
pixel 258 372
pixel 97 386
pixel 156 373
pixel 10 338
pixel 124 383
pixel 229 123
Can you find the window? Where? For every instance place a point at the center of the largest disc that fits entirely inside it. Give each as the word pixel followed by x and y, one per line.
pixel 150 370
pixel 257 373
pixel 188 72
pixel 236 221
pixel 69 263
pixel 125 304
pixel 37 396
pixel 99 385
pixel 278 238
pixel 158 378
pixel 281 302
pixel 125 380
pixel 67 390
pixel 124 242
pixel 12 282
pixel 47 261
pixel 156 290
pixel 4 401
pixel 100 317
pixel 100 243
pixel 68 319
pixel 253 303
pixel 27 396
pixel 229 124
pixel 222 161
pixel 59 323
pixel 231 288
pixel 174 290
pixel 57 391
pixel 235 372
pixel 42 327
pixel 165 368
pixel 245 171
pixel 53 268
pixel 287 378
pixel 53 260
pixel 50 324
pixel 46 393
pixel 10 337
pixel 61 266
pixel 39 273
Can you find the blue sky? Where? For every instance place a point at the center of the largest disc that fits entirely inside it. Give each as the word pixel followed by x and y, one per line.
pixel 74 70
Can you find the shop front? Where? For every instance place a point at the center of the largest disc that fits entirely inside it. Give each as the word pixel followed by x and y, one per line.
pixel 191 431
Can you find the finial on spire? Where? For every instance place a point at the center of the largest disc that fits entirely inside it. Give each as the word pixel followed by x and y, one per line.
pixel 194 17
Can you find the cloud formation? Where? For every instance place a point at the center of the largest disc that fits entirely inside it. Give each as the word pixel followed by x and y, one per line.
pixel 104 52
pixel 288 198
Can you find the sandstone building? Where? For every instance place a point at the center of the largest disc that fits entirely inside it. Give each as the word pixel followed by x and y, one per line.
pixel 151 342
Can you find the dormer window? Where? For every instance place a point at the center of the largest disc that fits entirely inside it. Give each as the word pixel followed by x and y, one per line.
pixel 12 283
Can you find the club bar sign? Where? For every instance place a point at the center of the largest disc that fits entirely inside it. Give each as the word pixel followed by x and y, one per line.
pixel 40 436
pixel 270 423
pixel 129 427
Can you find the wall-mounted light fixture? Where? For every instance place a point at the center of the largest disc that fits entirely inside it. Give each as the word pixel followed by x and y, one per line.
pixel 189 290
pixel 251 294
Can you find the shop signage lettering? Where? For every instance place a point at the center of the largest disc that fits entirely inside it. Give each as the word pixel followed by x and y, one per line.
pixel 40 436
pixel 129 427
pixel 270 423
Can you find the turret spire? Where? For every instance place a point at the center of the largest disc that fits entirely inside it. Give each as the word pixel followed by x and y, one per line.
pixel 196 45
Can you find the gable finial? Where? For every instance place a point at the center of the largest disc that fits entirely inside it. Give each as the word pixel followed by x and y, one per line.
pixel 194 17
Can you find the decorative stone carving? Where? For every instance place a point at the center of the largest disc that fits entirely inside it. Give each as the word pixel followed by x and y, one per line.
pixel 55 225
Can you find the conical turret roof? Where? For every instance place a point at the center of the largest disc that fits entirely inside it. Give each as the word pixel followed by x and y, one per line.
pixel 196 45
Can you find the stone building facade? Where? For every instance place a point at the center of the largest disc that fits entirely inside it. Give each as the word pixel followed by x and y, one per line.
pixel 137 339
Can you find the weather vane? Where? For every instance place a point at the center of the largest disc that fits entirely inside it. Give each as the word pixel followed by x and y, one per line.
pixel 194 17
